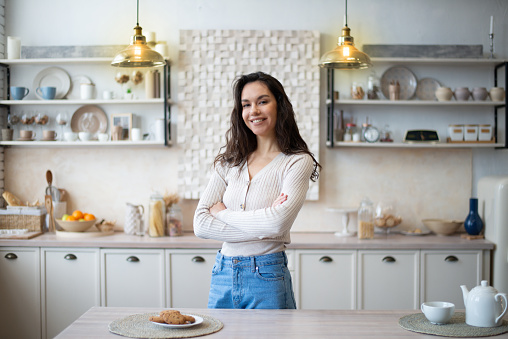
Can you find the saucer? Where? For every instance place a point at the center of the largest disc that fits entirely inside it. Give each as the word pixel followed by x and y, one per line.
pixel 26 139
pixel 48 140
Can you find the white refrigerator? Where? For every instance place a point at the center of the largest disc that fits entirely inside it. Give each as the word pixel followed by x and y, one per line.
pixel 493 209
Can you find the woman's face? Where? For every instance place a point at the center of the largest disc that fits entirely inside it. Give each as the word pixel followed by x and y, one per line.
pixel 259 109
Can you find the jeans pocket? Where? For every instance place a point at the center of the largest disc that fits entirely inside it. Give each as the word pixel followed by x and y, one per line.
pixel 270 272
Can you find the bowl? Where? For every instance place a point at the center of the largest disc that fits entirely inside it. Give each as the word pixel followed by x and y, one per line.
pixel 75 226
pixel 442 226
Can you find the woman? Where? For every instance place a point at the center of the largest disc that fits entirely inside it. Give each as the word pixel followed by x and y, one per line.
pixel 254 195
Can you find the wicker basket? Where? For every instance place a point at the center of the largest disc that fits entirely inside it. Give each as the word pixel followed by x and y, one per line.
pixel 23 218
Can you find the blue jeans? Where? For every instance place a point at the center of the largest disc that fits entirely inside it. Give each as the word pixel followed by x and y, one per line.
pixel 262 282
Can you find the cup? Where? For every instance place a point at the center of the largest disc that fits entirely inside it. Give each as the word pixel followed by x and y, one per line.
pixel 26 134
pixel 136 134
pixel 394 91
pixel 497 94
pixel 13 47
pixel 103 137
pixel 70 136
pixel 7 134
pixel 59 209
pixel 47 92
pixel 438 312
pixel 107 95
pixel 48 135
pixel 85 136
pixel 87 91
pixel 18 93
pixel 116 133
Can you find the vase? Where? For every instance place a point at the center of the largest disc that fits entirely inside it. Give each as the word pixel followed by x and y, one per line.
pixel 473 223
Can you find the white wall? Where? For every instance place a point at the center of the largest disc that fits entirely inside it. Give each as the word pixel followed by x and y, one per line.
pixel 103 181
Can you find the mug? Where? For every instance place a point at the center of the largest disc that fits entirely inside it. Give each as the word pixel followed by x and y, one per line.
pixel 107 95
pixel 159 130
pixel 438 312
pixel 87 91
pixel 70 136
pixel 18 93
pixel 136 134
pixel 103 137
pixel 134 219
pixel 47 92
pixel 48 135
pixel 26 134
pixel 7 134
pixel 116 133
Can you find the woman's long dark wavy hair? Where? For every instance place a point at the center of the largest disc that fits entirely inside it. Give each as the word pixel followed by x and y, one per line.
pixel 241 141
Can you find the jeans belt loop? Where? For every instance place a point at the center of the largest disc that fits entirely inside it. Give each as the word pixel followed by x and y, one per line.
pixel 285 258
pixel 253 263
pixel 221 260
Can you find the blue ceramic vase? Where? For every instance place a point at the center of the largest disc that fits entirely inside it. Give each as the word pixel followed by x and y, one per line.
pixel 473 223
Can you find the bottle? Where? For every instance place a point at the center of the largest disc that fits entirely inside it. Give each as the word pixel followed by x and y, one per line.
pixel 473 223
pixel 174 221
pixel 156 216
pixel 339 131
pixel 366 219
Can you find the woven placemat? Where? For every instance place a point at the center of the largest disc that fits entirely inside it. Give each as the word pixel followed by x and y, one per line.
pixel 138 326
pixel 457 326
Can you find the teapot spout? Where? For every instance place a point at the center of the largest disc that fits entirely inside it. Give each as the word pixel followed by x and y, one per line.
pixel 465 293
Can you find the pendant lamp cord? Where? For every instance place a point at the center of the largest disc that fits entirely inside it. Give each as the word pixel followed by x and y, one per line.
pixel 345 16
pixel 137 17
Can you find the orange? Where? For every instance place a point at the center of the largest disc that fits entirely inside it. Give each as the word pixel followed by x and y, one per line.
pixel 71 218
pixel 89 216
pixel 77 214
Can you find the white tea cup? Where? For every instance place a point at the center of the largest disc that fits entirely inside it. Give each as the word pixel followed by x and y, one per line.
pixel 136 134
pixel 85 136
pixel 103 137
pixel 438 312
pixel 107 95
pixel 70 136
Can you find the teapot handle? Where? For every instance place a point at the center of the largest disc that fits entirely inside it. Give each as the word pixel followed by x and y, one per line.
pixel 497 297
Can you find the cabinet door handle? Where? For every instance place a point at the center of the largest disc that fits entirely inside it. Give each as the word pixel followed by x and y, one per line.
pixel 198 259
pixel 11 256
pixel 451 258
pixel 325 259
pixel 388 259
pixel 132 259
pixel 70 257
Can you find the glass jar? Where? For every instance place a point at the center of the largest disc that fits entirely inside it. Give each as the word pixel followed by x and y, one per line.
pixel 357 92
pixel 366 219
pixel 156 216
pixel 174 221
pixel 351 133
pixel 373 86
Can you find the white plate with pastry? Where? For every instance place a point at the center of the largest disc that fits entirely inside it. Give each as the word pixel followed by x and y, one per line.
pixel 198 320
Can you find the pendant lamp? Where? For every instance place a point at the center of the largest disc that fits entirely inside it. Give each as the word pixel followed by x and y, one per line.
pixel 138 54
pixel 345 55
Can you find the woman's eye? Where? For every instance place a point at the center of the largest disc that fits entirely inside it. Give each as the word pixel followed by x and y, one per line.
pixel 245 105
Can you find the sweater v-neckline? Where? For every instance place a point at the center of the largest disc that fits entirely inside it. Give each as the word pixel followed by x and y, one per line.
pixel 264 169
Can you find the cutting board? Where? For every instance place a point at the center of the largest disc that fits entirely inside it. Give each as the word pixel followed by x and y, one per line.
pixel 27 235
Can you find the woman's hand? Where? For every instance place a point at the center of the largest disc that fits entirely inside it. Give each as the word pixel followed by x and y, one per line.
pixel 217 208
pixel 282 197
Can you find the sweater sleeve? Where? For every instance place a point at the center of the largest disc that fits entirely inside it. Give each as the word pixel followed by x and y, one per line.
pixel 206 226
pixel 274 222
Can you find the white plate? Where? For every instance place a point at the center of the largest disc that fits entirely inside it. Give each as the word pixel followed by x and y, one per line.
pixel 89 118
pixel 77 80
pixel 426 89
pixel 198 321
pixel 55 77
pixel 406 79
pixel 414 233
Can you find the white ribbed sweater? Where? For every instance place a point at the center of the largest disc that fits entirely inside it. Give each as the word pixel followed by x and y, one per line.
pixel 250 226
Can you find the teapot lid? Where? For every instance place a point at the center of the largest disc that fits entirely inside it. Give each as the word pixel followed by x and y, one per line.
pixel 484 288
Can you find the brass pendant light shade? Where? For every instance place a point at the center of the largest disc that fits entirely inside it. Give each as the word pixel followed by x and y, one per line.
pixel 345 55
pixel 138 54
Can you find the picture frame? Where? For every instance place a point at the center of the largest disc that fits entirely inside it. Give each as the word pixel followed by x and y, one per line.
pixel 124 120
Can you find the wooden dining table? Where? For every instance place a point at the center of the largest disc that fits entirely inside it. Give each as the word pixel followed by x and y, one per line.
pixel 264 324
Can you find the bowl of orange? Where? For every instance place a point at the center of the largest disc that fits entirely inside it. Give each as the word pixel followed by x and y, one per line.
pixel 76 222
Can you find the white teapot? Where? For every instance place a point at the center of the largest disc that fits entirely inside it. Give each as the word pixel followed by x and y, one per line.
pixel 484 305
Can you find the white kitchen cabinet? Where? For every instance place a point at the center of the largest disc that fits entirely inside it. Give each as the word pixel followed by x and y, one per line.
pixel 388 280
pixel 190 275
pixel 133 278
pixel 70 284
pixel 415 114
pixel 442 273
pixel 20 293
pixel 326 279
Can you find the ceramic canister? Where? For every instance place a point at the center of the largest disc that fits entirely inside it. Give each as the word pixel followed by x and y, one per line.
pixel 462 94
pixel 480 93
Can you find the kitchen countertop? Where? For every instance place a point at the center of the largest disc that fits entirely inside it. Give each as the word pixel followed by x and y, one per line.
pixel 299 241
pixel 264 323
